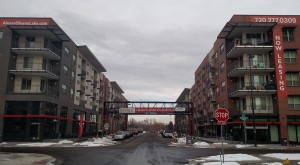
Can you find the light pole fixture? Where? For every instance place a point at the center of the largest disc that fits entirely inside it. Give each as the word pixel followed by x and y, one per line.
pixel 251 97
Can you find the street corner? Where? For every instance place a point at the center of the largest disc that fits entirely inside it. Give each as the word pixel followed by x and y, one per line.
pixel 26 159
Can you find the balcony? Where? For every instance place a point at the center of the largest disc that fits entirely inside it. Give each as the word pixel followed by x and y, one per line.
pixel 239 68
pixel 94 108
pixel 36 69
pixel 82 89
pixel 45 49
pixel 236 47
pixel 82 74
pixel 34 90
pixel 238 89
pixel 82 103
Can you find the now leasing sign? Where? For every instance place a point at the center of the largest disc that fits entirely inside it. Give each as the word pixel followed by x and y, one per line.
pixel 279 63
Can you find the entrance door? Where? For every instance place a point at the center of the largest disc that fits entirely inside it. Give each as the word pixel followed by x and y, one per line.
pixel 35 131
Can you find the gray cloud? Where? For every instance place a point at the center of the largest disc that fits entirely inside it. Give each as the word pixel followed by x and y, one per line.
pixel 151 48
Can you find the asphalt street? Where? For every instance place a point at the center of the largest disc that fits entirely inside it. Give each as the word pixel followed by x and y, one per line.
pixel 148 149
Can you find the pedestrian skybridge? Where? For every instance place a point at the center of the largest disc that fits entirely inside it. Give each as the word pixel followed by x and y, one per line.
pixel 149 108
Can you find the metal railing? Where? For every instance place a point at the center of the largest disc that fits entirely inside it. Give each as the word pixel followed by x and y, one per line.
pixel 253 86
pixel 245 64
pixel 238 42
pixel 34 90
pixel 39 45
pixel 36 67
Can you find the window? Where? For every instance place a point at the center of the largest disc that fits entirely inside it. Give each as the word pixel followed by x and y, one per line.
pixel 1 35
pixel 288 34
pixel 292 78
pixel 294 102
pixel 64 88
pixel 222 47
pixel 26 84
pixel 28 61
pixel 257 81
pixel 30 42
pixel 74 58
pixel 222 67
pixel 73 75
pixel 72 92
pixel 67 50
pixel 260 103
pixel 253 39
pixel 290 56
pixel 223 86
pixel 66 69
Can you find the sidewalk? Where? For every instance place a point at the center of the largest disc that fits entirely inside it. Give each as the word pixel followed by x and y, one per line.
pixel 26 159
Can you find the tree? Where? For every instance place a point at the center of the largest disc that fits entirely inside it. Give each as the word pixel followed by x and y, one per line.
pixel 170 126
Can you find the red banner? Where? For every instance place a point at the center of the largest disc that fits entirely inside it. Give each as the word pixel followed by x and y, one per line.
pixel 80 125
pixel 279 63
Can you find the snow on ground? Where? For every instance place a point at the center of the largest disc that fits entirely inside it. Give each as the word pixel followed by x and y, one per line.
pixel 201 145
pixel 247 145
pixel 233 157
pixel 95 142
pixel 282 156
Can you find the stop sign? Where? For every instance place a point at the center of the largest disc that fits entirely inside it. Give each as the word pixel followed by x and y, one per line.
pixel 222 115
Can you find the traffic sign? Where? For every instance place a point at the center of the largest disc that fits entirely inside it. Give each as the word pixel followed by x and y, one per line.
pixel 222 115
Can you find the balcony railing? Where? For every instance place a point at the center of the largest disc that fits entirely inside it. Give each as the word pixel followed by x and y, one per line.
pixel 36 46
pixel 245 88
pixel 236 47
pixel 236 68
pixel 34 90
pixel 36 68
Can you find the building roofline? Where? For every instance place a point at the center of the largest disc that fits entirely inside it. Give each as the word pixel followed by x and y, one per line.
pixel 94 61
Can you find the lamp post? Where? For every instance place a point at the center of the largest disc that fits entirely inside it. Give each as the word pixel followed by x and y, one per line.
pixel 252 104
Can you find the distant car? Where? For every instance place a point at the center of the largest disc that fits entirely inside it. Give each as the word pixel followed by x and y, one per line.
pixel 120 135
pixel 167 134
pixel 128 134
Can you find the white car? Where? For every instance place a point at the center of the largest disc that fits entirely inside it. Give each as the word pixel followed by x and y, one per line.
pixel 167 133
pixel 120 135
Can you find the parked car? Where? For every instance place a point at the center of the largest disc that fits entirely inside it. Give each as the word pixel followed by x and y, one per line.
pixel 120 135
pixel 128 134
pixel 167 134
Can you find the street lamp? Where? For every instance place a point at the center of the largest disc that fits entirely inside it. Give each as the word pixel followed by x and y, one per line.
pixel 252 104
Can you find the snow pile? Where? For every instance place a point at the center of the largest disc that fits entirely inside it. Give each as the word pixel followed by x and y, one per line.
pixel 233 158
pixel 44 144
pixel 220 143
pixel 201 145
pixel 65 142
pixel 96 142
pixel 181 140
pixel 247 145
pixel 284 156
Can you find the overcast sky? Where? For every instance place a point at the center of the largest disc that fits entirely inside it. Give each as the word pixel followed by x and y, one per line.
pixel 151 48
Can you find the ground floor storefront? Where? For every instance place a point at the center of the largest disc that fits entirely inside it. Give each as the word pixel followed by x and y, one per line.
pixel 37 120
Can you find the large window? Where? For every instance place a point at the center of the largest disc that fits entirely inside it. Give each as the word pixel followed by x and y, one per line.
pixel 260 103
pixel 290 56
pixel 65 70
pixel 288 34
pixel 64 88
pixel 28 61
pixel 257 81
pixel 30 42
pixel 254 38
pixel 294 102
pixel 292 78
pixel 26 84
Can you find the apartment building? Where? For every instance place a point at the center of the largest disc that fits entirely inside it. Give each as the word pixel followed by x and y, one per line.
pixel 252 70
pixel 46 82
pixel 182 122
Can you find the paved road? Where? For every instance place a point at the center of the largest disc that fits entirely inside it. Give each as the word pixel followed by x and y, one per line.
pixel 146 149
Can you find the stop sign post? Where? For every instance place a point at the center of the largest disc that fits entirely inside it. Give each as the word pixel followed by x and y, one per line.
pixel 222 115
